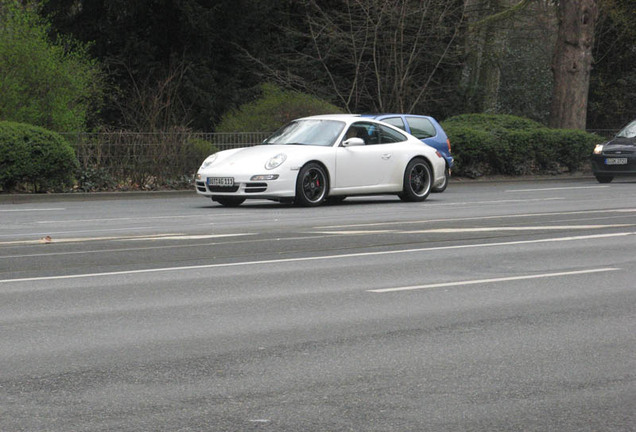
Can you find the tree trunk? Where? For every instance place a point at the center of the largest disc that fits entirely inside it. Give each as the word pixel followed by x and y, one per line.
pixel 572 63
pixel 484 47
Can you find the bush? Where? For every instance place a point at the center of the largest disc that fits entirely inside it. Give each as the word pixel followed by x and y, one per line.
pixel 503 144
pixel 55 85
pixel 35 157
pixel 274 109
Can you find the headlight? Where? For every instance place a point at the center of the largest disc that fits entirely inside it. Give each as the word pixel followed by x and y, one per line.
pixel 208 161
pixel 599 148
pixel 276 161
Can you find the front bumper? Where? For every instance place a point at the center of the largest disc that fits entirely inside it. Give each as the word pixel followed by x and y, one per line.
pixel 281 188
pixel 606 164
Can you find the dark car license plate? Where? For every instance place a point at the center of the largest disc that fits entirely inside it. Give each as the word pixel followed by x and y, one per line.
pixel 220 181
pixel 616 161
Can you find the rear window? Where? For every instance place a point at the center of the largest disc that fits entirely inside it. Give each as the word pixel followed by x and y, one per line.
pixel 395 121
pixel 421 127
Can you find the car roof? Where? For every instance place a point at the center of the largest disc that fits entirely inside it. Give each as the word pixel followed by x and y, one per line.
pixel 330 117
pixel 394 115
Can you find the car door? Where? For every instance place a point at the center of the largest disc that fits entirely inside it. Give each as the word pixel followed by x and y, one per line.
pixel 370 167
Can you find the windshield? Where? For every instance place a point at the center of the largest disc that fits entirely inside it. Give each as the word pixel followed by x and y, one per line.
pixel 628 131
pixel 307 132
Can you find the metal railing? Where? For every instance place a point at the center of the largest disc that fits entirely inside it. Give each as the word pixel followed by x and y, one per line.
pixel 142 158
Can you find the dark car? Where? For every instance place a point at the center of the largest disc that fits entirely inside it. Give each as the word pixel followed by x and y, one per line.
pixel 427 130
pixel 616 157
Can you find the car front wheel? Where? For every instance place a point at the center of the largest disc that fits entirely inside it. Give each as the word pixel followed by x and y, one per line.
pixel 229 201
pixel 417 181
pixel 311 185
pixel 604 179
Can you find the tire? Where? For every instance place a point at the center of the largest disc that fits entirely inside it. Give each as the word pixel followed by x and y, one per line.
pixel 312 185
pixel 604 179
pixel 335 199
pixel 229 201
pixel 417 181
pixel 441 188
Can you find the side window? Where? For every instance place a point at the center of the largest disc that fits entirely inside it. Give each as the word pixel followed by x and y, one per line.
pixel 421 127
pixel 373 133
pixel 388 135
pixel 367 131
pixel 395 121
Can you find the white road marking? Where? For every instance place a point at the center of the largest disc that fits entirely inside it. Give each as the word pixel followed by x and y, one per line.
pixel 515 228
pixel 556 188
pixel 139 219
pixel 54 233
pixel 172 247
pixel 493 280
pixel 499 201
pixel 315 258
pixel 426 221
pixel 189 237
pixel 31 210
pixel 478 229
pixel 170 236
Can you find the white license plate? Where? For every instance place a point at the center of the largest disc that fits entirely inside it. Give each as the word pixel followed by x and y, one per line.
pixel 221 181
pixel 616 161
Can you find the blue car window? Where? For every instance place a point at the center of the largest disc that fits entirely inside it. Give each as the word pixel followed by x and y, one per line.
pixel 395 121
pixel 421 127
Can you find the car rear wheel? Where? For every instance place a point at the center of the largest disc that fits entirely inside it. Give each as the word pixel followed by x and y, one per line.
pixel 417 181
pixel 229 201
pixel 604 179
pixel 311 185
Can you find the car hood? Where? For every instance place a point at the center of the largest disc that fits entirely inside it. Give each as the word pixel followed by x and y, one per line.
pixel 254 158
pixel 620 145
pixel 622 141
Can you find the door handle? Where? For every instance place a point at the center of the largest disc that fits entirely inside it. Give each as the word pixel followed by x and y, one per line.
pixel 386 156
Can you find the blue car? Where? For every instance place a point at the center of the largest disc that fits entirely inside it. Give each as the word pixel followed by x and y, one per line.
pixel 426 129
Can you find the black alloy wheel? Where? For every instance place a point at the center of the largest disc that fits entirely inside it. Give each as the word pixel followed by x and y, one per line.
pixel 312 185
pixel 228 201
pixel 417 181
pixel 604 179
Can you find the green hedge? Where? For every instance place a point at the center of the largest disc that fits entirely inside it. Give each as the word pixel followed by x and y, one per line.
pixel 34 158
pixel 486 144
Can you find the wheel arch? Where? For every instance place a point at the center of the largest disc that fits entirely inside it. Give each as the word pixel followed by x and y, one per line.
pixel 324 166
pixel 425 159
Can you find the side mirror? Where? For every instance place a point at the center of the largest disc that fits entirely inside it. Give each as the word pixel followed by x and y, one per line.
pixel 351 142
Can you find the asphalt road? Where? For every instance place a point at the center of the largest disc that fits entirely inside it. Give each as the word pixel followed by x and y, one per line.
pixel 489 307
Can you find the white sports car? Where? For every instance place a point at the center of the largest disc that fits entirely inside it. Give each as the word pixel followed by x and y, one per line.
pixel 324 158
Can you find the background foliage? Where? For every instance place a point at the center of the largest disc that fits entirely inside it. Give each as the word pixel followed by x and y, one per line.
pixel 174 68
pixel 51 84
pixel 503 144
pixel 34 158
pixel 188 62
pixel 274 108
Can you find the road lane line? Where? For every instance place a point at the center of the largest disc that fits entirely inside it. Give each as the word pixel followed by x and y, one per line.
pixel 556 188
pixel 120 219
pixel 493 280
pixel 315 258
pixel 583 212
pixel 31 210
pixel 515 228
pixel 146 237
